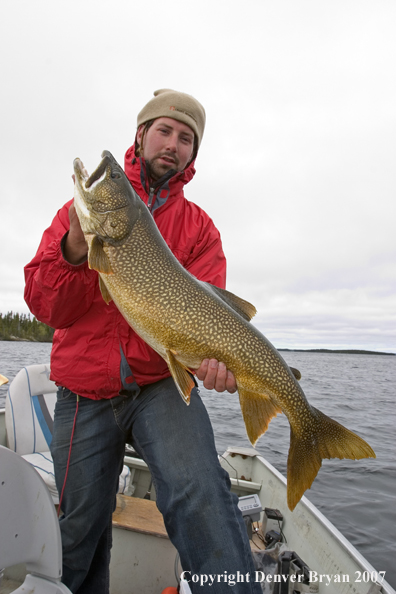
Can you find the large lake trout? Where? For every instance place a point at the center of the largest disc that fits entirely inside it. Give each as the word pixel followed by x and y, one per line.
pixel 186 321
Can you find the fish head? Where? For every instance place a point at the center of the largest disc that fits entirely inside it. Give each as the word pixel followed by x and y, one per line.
pixel 107 206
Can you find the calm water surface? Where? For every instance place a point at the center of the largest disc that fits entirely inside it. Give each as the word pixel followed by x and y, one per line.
pixel 358 497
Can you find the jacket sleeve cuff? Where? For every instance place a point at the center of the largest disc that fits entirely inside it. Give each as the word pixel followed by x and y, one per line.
pixel 55 270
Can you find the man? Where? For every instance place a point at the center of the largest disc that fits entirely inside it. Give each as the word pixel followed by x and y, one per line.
pixel 113 388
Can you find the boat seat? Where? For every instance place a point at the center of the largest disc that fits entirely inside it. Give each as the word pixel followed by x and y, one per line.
pixel 30 531
pixel 139 515
pixel 29 418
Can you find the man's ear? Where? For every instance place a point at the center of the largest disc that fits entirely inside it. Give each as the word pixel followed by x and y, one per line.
pixel 139 133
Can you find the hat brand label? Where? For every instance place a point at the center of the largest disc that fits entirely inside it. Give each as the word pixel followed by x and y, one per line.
pixel 190 115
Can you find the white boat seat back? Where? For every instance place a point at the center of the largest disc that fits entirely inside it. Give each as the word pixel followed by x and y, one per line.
pixel 29 525
pixel 30 408
pixel 29 419
pixel 42 462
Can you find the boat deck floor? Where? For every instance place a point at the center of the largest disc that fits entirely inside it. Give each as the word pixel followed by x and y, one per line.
pixel 142 515
pixel 139 515
pixel 7 585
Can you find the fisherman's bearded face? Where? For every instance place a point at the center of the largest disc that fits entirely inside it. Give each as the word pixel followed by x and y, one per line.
pixel 167 144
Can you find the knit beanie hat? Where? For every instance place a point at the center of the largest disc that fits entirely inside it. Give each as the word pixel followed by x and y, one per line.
pixel 175 105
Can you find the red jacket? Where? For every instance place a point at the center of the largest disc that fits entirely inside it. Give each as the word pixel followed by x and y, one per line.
pixel 95 353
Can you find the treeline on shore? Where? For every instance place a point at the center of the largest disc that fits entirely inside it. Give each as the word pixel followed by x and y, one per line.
pixel 15 326
pixel 340 351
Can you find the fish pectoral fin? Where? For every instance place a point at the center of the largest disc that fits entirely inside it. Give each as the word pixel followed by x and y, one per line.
pixel 97 257
pixel 181 376
pixel 242 307
pixel 257 411
pixel 104 290
pixel 325 438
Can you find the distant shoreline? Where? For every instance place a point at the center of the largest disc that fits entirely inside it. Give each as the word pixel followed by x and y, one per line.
pixel 341 351
pixel 19 339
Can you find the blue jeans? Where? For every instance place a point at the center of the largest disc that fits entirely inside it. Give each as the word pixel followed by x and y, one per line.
pixel 193 491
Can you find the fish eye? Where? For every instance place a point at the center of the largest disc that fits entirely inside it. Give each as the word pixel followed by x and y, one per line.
pixel 115 175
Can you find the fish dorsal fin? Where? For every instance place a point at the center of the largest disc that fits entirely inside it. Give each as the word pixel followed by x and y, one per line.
pixel 97 257
pixel 244 308
pixel 104 290
pixel 182 378
pixel 257 411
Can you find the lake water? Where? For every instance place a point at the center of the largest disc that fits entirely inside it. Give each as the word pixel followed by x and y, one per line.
pixel 358 497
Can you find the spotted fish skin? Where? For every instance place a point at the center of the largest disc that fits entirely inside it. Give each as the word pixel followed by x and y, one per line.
pixel 186 321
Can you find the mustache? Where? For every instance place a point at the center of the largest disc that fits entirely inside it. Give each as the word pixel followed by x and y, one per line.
pixel 168 155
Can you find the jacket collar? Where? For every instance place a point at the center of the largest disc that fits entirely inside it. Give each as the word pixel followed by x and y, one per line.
pixel 169 186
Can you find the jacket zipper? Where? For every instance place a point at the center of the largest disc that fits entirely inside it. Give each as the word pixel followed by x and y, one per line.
pixel 150 200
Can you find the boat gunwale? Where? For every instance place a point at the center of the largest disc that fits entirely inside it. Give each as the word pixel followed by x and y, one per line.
pixel 305 504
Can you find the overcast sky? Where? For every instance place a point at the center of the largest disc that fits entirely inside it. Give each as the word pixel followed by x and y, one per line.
pixel 297 165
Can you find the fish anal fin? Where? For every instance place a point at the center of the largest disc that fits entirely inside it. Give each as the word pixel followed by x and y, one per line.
pixel 104 290
pixel 181 376
pixel 242 307
pixel 326 438
pixel 97 257
pixel 257 411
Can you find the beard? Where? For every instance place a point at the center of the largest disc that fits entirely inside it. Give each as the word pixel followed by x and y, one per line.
pixel 158 168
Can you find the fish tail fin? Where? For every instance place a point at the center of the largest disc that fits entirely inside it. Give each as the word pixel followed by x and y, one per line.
pixel 327 439
pixel 257 412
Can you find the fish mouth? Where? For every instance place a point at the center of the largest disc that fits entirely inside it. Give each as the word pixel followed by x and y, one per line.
pixel 80 173
pixel 103 169
pixel 100 172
